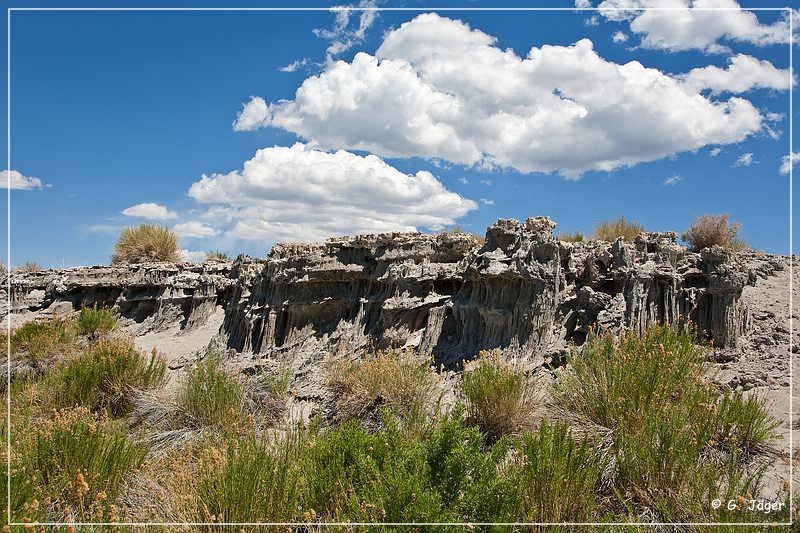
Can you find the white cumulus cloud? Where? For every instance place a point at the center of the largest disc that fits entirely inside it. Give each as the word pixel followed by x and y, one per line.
pixel 195 229
pixel 301 194
pixel 438 89
pixel 672 180
pixel 14 180
pixel 150 211
pixel 743 74
pixel 619 37
pixel 714 152
pixel 788 161
pixel 712 23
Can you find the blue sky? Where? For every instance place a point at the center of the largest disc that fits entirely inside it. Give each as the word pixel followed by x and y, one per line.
pixel 442 119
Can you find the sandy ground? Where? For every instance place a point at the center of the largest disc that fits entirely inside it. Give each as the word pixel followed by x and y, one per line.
pixel 762 366
pixel 180 347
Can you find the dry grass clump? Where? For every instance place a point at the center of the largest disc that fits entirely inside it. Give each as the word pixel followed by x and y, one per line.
pixel 27 267
pixel 710 230
pixel 498 397
pixel 392 379
pixel 144 243
pixel 217 255
pixel 42 343
pixel 611 230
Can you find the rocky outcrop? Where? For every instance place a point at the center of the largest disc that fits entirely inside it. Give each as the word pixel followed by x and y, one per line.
pixel 448 295
pixel 152 295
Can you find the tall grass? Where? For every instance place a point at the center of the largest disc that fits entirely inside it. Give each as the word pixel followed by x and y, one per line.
pixel 80 461
pixel 42 343
pixel 498 397
pixel 250 481
pixel 144 243
pixel 210 396
pixel 610 230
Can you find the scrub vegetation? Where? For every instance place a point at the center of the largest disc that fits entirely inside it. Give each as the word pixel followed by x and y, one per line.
pixel 86 446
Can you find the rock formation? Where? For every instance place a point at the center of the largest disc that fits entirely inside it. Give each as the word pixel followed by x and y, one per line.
pixel 448 295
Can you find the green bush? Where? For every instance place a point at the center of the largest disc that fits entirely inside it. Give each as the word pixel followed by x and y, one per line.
pixel 354 475
pixel 251 482
pixel 210 396
pixel 610 230
pixel 558 477
pixel 144 243
pixel 92 321
pixel 710 230
pixel 80 462
pixel 497 396
pixel 678 442
pixel 105 377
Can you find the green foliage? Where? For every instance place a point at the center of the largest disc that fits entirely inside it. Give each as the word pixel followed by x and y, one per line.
pixel 572 237
pixel 80 462
pixel 710 230
pixel 104 377
pixel 354 475
pixel 144 243
pixel 558 476
pixel 251 481
pixel 610 230
pixel 678 441
pixel 497 396
pixel 92 321
pixel 210 396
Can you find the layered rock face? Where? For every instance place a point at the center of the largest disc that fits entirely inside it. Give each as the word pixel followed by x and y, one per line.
pixel 448 296
pixel 153 295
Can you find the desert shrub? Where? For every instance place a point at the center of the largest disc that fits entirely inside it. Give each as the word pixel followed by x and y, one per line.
pixel 393 379
pixel 251 481
pixel 43 342
pixel 558 477
pixel 353 475
pixel 610 230
pixel 144 243
pixel 265 394
pixel 24 505
pixel 571 237
pixel 105 376
pixel 619 380
pixel 93 321
pixel 28 266
pixel 81 461
pixel 677 441
pixel 710 230
pixel 497 396
pixel 210 396
pixel 217 255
